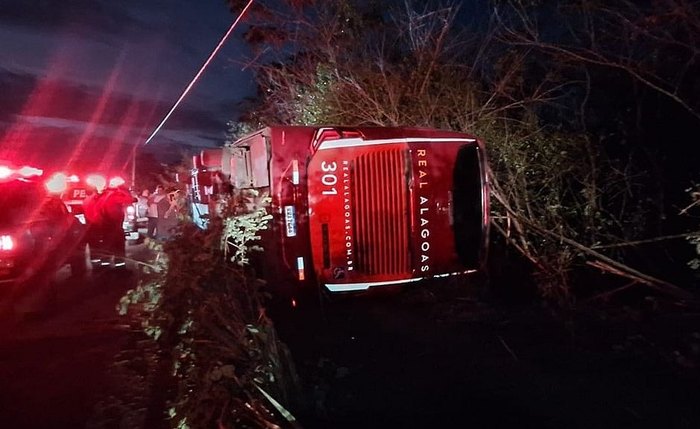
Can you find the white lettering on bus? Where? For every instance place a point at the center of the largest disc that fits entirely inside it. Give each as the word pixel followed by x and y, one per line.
pixel 329 179
pixel 347 210
pixel 423 210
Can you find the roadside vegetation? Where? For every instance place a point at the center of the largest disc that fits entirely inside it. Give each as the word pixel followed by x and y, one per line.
pixel 203 306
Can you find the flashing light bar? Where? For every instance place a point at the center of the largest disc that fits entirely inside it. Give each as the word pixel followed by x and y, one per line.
pixel 57 183
pixel 59 180
pixel 25 171
pixel 115 182
pixel 96 181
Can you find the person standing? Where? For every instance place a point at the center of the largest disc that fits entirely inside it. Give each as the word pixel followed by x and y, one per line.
pixel 164 223
pixel 173 214
pixel 142 204
pixel 95 226
pixel 113 207
pixel 153 212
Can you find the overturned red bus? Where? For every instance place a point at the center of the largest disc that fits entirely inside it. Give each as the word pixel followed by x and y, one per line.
pixel 359 208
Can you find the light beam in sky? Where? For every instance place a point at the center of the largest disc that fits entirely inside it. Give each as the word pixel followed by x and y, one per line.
pixel 199 73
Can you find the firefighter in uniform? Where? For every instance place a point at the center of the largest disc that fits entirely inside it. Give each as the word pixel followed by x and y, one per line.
pixel 95 227
pixel 104 215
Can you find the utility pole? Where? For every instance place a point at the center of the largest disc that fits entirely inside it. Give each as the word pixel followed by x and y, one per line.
pixel 133 169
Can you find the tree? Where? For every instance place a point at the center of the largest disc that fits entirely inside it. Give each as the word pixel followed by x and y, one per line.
pixel 631 70
pixel 559 190
pixel 654 43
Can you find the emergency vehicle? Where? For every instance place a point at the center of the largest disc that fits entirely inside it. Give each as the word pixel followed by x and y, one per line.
pixel 358 208
pixel 38 235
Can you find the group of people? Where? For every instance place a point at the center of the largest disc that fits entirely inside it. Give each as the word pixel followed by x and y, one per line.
pixel 104 216
pixel 104 211
pixel 161 209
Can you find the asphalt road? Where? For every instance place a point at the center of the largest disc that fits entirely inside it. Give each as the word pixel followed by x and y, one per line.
pixel 55 363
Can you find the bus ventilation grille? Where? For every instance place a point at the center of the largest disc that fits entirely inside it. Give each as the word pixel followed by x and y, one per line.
pixel 381 212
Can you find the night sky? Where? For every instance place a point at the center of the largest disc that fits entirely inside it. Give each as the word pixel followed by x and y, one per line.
pixel 83 81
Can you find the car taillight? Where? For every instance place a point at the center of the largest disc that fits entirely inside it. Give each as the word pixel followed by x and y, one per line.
pixel 7 243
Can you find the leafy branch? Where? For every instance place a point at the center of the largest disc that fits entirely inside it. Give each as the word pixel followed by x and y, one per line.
pixel 208 318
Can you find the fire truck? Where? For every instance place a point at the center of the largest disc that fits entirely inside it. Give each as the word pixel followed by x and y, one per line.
pixel 357 208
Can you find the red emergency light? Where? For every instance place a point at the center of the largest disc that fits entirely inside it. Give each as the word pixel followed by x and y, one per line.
pixel 28 171
pixel 57 183
pixel 25 172
pixel 5 172
pixel 6 243
pixel 97 181
pixel 116 182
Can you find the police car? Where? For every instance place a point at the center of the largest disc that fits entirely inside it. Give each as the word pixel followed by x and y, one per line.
pixel 38 235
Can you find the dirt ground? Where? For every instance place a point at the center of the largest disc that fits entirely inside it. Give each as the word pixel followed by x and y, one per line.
pixel 424 358
pixel 434 356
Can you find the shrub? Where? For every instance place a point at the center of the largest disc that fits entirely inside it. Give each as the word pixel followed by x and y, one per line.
pixel 206 314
